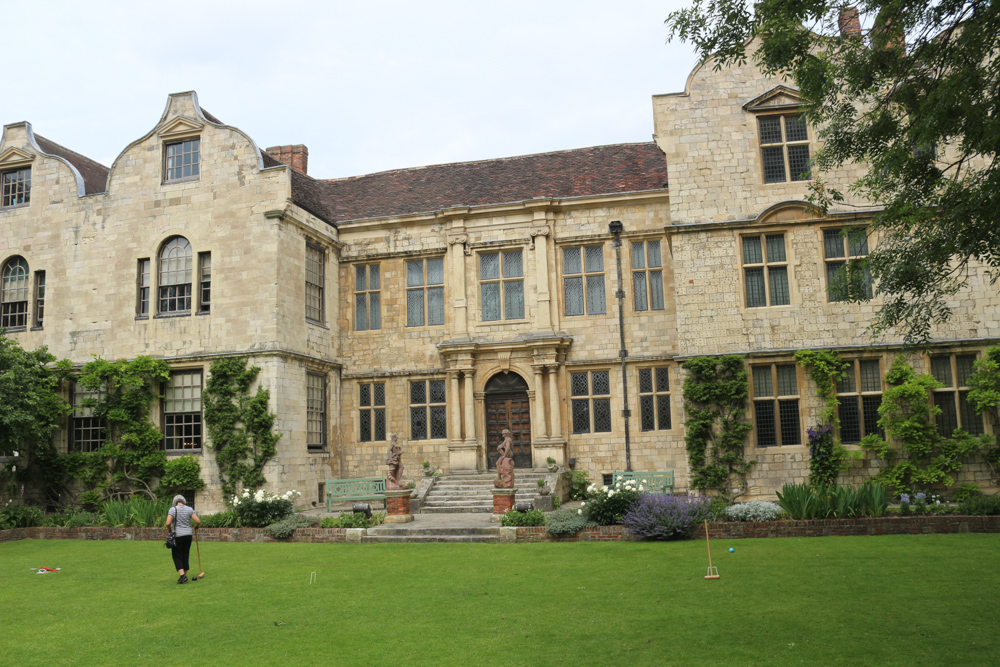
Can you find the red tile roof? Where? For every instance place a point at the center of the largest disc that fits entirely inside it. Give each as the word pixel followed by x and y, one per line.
pixel 95 175
pixel 582 172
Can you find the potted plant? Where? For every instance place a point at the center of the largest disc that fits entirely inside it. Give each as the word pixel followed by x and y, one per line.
pixel 428 470
pixel 543 490
pixel 552 465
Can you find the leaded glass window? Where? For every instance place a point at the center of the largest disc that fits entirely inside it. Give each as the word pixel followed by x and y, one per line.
pixel 175 276
pixel 88 432
pixel 776 405
pixel 367 297
pixel 315 411
pixel 501 285
pixel 183 160
pixel 765 270
pixel 204 282
pixel 647 276
pixel 315 283
pixel 428 412
pixel 847 274
pixel 425 292
pixel 654 399
pixel 583 280
pixel 591 401
pixel 784 147
pixel 371 412
pixel 182 411
pixel 956 410
pixel 15 189
pixel 39 298
pixel 14 294
pixel 859 395
pixel 142 288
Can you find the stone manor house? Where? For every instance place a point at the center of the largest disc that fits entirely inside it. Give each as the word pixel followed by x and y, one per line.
pixel 445 303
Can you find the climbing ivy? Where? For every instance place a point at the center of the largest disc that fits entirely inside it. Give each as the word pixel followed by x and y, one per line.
pixel 916 455
pixel 239 424
pixel 827 456
pixel 715 394
pixel 984 394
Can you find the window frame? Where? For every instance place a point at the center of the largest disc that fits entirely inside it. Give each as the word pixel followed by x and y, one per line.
pixel 92 424
pixel 846 260
pixel 313 415
pixel 647 270
pixel 367 411
pixel 784 145
pixel 585 275
pixel 17 308
pixel 38 310
pixel 429 407
pixel 963 410
pixel 765 266
pixel 18 189
pixel 867 411
pixel 368 294
pixel 194 165
pixel 143 287
pixel 315 291
pixel 502 280
pixel 777 399
pixel 655 394
pixel 196 425
pixel 189 296
pixel 590 399
pixel 204 282
pixel 424 288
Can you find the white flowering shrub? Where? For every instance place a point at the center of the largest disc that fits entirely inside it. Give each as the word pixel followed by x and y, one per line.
pixel 606 506
pixel 262 508
pixel 755 510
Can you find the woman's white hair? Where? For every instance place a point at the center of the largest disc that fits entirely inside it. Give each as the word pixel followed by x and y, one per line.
pixel 179 499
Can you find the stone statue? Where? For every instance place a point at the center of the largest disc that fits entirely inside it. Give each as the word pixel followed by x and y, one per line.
pixel 505 464
pixel 394 459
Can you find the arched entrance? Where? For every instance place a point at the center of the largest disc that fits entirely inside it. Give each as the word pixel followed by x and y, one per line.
pixel 507 406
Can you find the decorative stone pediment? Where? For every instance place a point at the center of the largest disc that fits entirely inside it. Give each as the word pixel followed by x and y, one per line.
pixel 778 98
pixel 788 211
pixel 180 127
pixel 15 157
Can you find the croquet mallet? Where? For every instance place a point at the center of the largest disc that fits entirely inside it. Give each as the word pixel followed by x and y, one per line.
pixel 713 572
pixel 201 575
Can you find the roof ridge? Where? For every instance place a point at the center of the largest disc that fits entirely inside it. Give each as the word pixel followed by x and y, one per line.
pixel 482 161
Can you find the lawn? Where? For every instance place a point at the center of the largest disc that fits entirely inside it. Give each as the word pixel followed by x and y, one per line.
pixel 893 600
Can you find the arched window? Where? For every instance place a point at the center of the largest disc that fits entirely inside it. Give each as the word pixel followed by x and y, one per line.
pixel 175 276
pixel 14 294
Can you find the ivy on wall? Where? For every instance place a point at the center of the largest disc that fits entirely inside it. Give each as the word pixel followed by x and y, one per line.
pixel 715 395
pixel 984 394
pixel 239 424
pixel 916 455
pixel 827 456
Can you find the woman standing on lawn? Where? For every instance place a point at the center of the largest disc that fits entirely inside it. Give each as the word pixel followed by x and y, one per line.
pixel 182 515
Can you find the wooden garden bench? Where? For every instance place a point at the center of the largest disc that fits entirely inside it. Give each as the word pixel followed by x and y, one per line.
pixel 661 481
pixel 363 488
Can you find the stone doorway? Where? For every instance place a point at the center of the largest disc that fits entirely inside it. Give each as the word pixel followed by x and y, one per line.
pixel 508 406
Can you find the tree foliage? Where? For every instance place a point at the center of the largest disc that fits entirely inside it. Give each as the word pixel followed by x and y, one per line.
pixel 917 99
pixel 984 394
pixel 30 410
pixel 239 424
pixel 917 457
pixel 715 395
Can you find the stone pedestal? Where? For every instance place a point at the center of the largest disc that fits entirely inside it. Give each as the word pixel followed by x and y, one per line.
pixel 503 501
pixel 463 456
pixel 397 503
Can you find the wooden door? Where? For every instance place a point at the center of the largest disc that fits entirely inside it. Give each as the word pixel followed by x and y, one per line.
pixel 510 411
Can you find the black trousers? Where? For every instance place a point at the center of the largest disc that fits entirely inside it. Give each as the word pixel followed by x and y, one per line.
pixel 181 552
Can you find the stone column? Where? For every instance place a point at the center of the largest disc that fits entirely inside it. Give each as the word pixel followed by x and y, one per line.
pixel 539 405
pixel 457 248
pixel 554 403
pixel 454 409
pixel 470 406
pixel 539 237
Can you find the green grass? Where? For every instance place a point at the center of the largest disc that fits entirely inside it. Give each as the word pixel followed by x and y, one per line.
pixel 896 600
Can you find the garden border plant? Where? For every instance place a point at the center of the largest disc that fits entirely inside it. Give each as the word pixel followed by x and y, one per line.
pixel 715 394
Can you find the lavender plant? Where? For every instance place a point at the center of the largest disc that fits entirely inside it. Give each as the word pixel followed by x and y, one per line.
pixel 661 516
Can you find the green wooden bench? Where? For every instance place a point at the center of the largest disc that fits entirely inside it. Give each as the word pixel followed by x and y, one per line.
pixel 364 488
pixel 661 481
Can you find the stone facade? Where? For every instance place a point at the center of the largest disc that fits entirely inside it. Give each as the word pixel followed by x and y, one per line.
pixel 407 294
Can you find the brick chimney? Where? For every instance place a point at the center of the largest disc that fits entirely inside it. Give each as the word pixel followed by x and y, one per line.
pixel 295 156
pixel 850 23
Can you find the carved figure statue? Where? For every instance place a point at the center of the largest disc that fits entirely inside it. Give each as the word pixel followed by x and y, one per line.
pixel 394 459
pixel 505 464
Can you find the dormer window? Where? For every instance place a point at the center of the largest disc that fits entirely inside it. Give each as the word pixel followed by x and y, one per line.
pixel 784 148
pixel 16 187
pixel 182 160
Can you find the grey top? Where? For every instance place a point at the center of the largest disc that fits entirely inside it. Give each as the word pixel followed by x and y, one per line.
pixel 182 519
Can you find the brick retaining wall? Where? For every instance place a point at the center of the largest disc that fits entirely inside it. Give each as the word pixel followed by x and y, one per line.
pixel 595 534
pixel 886 525
pixel 322 535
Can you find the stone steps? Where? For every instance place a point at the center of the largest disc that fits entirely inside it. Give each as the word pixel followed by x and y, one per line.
pixel 473 492
pixel 390 534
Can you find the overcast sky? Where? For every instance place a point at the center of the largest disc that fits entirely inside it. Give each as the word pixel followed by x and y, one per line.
pixel 367 86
